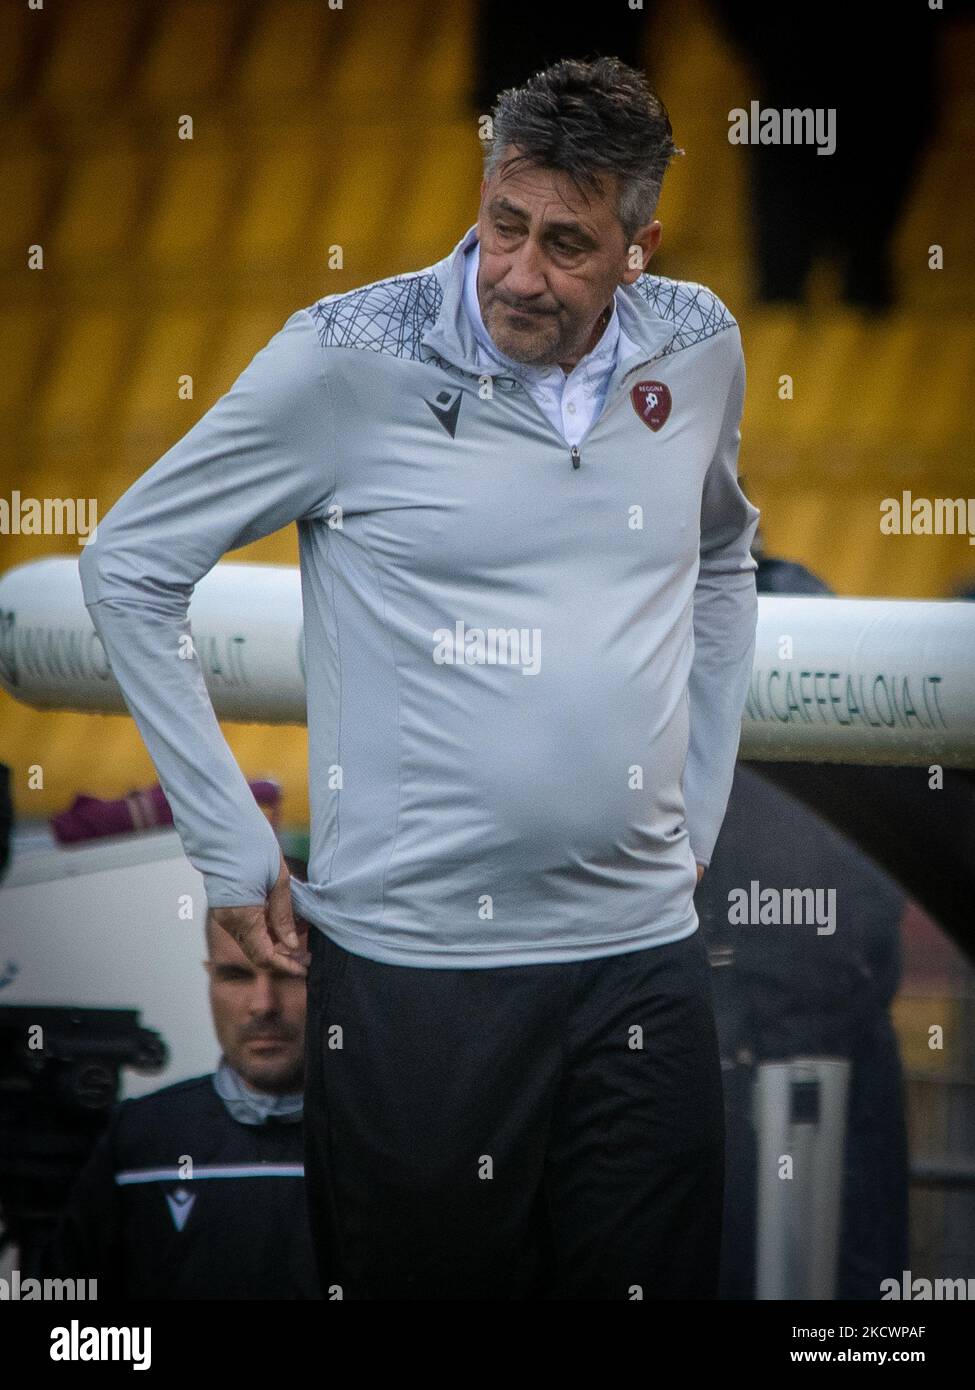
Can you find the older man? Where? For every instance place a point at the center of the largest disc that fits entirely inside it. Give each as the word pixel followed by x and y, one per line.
pixel 529 610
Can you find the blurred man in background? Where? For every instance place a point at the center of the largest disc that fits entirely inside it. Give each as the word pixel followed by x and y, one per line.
pixel 197 1190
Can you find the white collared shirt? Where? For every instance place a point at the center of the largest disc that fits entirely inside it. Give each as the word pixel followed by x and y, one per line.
pixel 571 403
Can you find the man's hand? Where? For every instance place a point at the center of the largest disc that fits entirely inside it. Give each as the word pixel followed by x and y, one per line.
pixel 267 934
pixel 700 872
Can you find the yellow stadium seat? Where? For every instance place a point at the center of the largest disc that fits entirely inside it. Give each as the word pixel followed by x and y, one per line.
pixel 80 392
pixel 363 181
pixel 98 215
pixel 439 201
pixel 284 53
pixel 376 61
pixel 189 51
pixel 941 397
pixel 91 47
pixel 190 207
pixel 797 522
pixel 828 364
pixel 26 177
pixel 153 416
pixel 443 69
pixel 772 340
pixel 26 333
pixel 281 186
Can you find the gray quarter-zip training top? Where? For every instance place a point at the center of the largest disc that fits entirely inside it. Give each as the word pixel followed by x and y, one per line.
pixel 525 662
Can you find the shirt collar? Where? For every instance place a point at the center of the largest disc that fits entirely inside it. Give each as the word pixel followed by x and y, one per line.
pixel 254 1107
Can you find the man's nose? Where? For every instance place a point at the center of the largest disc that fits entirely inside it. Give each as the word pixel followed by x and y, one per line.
pixel 525 278
pixel 264 995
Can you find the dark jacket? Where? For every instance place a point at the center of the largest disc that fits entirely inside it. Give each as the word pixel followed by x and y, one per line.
pixel 237 1229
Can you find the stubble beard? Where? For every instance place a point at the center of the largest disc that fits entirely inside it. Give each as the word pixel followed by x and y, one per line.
pixel 534 348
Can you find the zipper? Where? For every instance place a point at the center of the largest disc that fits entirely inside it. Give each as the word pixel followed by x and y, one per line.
pixel 575 455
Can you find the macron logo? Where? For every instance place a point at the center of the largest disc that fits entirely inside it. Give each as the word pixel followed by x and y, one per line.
pixel 446 407
pixel 180 1205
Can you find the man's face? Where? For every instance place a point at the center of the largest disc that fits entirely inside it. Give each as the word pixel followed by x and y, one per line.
pixel 550 261
pixel 259 1016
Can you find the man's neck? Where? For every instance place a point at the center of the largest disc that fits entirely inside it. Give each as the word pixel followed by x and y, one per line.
pixel 598 330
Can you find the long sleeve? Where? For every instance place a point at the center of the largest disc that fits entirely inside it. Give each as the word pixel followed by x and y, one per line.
pixel 259 459
pixel 725 614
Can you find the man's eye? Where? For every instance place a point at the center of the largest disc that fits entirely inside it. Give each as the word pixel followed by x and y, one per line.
pixel 565 248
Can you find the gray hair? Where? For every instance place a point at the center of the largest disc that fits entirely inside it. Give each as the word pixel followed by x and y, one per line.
pixel 585 117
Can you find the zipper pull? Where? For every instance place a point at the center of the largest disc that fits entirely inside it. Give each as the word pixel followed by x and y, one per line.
pixel 575 456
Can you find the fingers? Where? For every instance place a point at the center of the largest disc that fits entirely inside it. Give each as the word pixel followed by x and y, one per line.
pixel 267 934
pixel 254 939
pixel 303 954
pixel 248 928
pixel 281 921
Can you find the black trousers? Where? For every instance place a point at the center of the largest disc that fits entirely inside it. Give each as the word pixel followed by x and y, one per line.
pixel 525 1132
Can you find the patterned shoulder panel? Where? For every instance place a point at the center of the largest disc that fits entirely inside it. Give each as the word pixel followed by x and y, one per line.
pixel 387 316
pixel 696 311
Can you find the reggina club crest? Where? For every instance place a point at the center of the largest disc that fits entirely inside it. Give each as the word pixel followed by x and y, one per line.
pixel 652 402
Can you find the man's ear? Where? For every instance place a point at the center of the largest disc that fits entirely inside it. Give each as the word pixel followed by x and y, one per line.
pixel 647 238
